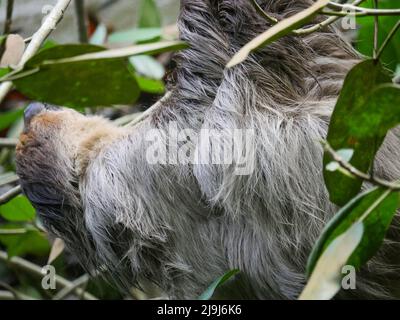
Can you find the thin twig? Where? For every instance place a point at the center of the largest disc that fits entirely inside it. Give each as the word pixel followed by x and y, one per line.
pixel 11 194
pixel 8 142
pixel 150 110
pixel 36 270
pixel 353 171
pixel 8 178
pixel 387 40
pixel 9 14
pixel 37 40
pixel 376 32
pixel 12 232
pixel 81 17
pixel 15 293
pixel 307 30
pixel 78 283
pixel 260 10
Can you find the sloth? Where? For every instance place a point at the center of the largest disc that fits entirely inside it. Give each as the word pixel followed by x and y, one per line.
pixel 182 224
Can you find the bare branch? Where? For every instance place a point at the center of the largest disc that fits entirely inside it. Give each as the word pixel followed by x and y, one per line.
pixel 11 194
pixel 8 22
pixel 36 270
pixel 81 17
pixel 12 232
pixel 78 283
pixel 8 142
pixel 148 112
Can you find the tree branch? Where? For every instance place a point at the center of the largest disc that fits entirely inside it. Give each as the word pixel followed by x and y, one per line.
pixel 8 143
pixel 142 116
pixel 11 194
pixel 78 283
pixel 366 13
pixel 36 270
pixel 303 31
pixel 12 232
pixel 8 22
pixel 81 17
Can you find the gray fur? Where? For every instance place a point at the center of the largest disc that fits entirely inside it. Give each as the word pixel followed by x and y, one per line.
pixel 182 226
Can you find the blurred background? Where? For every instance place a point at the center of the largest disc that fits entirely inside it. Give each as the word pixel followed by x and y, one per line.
pixel 116 14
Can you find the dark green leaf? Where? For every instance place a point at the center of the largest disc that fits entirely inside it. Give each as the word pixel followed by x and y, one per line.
pixel 9 117
pixel 87 83
pixel 365 111
pixel 206 295
pixel 375 209
pixel 18 209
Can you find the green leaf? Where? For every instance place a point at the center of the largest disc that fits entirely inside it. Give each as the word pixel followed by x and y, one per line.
pixel 149 15
pixel 9 117
pixel 18 209
pixel 150 85
pixel 365 111
pixel 4 71
pixel 206 295
pixel 99 36
pixel 375 209
pixel 147 66
pixel 75 84
pixel 324 282
pixel 31 242
pixel 365 44
pixel 277 31
pixel 136 35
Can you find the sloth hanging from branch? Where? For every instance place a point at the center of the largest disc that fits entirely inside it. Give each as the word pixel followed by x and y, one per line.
pixel 225 173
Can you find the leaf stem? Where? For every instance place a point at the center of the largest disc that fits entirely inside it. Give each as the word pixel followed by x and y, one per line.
pixel 353 171
pixel 11 194
pixel 261 11
pixel 387 40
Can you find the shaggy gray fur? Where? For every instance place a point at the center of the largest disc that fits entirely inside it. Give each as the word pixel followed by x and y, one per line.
pixel 182 226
